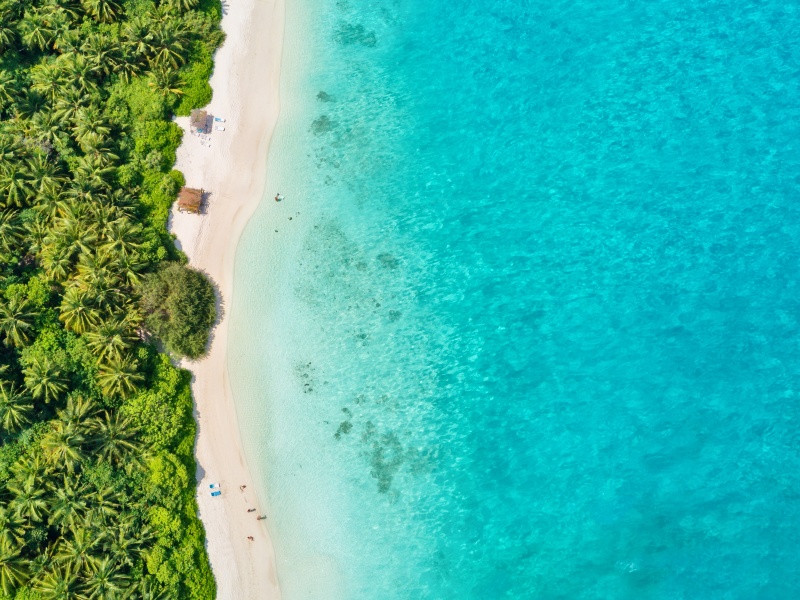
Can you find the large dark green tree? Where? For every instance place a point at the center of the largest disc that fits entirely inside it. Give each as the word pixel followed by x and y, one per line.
pixel 179 307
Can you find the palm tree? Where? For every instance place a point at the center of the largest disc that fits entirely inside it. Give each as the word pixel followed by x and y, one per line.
pixel 169 40
pixel 68 508
pixel 106 581
pixel 77 310
pixel 138 37
pixel 10 231
pixel 68 104
pixel 78 412
pixel 119 377
pixel 181 5
pixel 36 31
pixel 8 35
pixel 70 8
pixel 13 569
pixel 61 583
pixel 15 407
pixel 67 40
pixel 99 150
pixel 76 552
pixel 83 190
pixel 35 231
pixel 98 277
pixel 104 506
pixel 48 81
pixel 28 500
pixel 29 103
pixel 130 64
pixel 123 201
pixel 8 88
pixel 12 528
pixel 122 238
pixel 102 51
pixel 16 322
pixel 63 445
pixel 57 261
pixel 44 176
pixel 104 290
pixel 8 147
pixel 73 230
pixel 130 268
pixel 44 379
pixel 90 126
pixel 46 129
pixel 105 213
pixel 165 81
pixel 110 340
pixel 92 172
pixel 115 438
pixel 148 589
pixel 79 71
pixel 15 186
pixel 57 20
pixel 125 540
pixel 104 11
pixel 29 469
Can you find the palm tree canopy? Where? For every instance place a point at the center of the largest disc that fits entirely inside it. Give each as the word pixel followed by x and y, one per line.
pixel 44 379
pixel 16 322
pixel 15 407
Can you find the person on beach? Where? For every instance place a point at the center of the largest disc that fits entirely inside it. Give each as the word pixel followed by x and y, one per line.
pixel 250 537
pixel 241 488
pixel 251 510
pixel 261 517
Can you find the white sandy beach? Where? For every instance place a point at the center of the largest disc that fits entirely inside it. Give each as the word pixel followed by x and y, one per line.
pixel 232 170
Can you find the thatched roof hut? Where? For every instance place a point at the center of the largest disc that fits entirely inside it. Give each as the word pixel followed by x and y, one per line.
pixel 190 199
pixel 199 119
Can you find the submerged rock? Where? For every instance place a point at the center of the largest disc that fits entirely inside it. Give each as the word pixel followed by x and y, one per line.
pixel 322 125
pixel 350 33
pixel 388 261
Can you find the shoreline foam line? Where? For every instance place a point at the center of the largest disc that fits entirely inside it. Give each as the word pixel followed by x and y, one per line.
pixel 231 168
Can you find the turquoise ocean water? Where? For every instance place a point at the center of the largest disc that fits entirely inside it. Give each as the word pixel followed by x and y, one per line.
pixel 532 329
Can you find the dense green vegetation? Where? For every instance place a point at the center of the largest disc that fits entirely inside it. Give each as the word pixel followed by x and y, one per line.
pixel 96 428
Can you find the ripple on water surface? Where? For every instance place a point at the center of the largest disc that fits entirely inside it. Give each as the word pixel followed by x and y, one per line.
pixel 532 329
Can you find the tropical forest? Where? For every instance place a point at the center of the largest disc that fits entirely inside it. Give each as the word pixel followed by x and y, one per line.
pixel 97 470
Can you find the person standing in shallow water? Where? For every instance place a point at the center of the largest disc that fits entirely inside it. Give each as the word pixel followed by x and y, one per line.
pixel 278 197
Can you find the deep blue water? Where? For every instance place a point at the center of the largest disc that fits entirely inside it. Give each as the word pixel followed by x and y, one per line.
pixel 552 285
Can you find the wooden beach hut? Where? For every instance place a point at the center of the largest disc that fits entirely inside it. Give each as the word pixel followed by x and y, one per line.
pixel 190 200
pixel 198 121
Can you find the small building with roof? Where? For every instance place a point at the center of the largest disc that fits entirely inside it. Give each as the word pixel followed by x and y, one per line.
pixel 198 121
pixel 190 200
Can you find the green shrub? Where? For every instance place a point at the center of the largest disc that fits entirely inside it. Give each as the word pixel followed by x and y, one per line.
pixel 144 104
pixel 178 307
pixel 161 136
pixel 195 87
pixel 164 409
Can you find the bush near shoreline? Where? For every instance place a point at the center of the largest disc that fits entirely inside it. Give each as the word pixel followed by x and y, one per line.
pixel 97 493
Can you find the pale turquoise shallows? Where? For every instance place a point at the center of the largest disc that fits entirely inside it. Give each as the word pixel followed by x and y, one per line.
pixel 532 329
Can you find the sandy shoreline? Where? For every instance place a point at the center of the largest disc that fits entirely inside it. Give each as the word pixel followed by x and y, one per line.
pixel 233 170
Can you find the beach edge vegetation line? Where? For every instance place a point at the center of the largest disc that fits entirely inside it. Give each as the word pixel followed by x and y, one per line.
pixel 97 468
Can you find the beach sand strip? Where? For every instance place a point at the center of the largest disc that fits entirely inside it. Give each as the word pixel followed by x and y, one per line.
pixel 230 166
